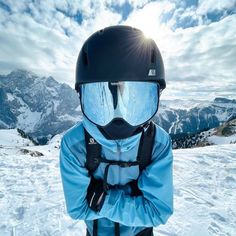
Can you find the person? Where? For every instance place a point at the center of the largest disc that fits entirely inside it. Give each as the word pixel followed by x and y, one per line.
pixel 116 164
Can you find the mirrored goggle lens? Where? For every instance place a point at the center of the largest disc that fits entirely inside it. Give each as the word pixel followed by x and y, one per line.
pixel 136 102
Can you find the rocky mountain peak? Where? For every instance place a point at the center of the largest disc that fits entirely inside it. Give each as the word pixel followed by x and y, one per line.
pixel 40 106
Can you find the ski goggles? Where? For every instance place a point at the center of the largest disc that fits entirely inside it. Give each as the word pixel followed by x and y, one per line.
pixel 134 101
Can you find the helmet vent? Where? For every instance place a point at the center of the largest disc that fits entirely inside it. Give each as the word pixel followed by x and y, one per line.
pixel 153 56
pixel 85 58
pixel 135 29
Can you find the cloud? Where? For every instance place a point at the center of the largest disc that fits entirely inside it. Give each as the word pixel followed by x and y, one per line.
pixel 40 38
pixel 185 18
pixel 199 60
pixel 205 6
pixel 192 13
pixel 204 59
pixel 198 51
pixel 33 46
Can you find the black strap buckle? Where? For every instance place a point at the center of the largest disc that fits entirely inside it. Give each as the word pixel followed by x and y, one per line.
pixel 125 164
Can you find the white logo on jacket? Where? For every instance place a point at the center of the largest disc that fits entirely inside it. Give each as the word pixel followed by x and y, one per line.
pixel 92 141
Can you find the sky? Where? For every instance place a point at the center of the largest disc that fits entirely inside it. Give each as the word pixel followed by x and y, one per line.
pixel 197 39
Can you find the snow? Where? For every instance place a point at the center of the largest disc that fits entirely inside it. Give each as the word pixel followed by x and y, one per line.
pixel 10 137
pixel 27 119
pixel 67 117
pixel 184 104
pixel 10 97
pixel 223 116
pixel 52 90
pixel 190 103
pixel 173 127
pixel 205 192
pixel 214 139
pixel 55 104
pixel 32 200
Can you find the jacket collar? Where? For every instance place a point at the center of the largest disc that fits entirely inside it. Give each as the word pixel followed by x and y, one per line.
pixel 121 144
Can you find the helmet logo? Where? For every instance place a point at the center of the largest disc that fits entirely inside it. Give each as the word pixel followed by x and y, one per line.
pixel 152 72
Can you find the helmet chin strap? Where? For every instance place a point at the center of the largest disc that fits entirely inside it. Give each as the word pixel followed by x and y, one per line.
pixel 118 128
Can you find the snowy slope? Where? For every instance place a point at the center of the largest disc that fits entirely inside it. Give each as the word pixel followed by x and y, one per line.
pixel 224 134
pixel 32 200
pixel 12 137
pixel 222 140
pixel 205 192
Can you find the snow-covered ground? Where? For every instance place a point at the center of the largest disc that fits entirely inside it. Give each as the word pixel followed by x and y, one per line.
pixel 32 200
pixel 12 138
pixel 205 192
pixel 222 139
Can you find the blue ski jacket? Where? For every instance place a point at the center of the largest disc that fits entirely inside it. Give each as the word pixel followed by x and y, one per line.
pixel 134 214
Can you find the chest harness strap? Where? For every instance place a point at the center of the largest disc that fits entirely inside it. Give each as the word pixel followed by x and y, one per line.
pixel 93 159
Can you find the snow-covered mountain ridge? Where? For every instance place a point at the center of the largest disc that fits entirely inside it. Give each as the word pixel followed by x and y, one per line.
pixel 224 134
pixel 32 201
pixel 41 107
pixel 190 117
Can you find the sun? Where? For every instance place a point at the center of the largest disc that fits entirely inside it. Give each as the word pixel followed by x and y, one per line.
pixel 158 33
pixel 149 21
pixel 149 32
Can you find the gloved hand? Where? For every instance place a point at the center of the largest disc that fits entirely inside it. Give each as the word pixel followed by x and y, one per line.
pixel 96 194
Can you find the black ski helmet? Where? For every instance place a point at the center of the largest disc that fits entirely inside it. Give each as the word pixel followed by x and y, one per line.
pixel 119 53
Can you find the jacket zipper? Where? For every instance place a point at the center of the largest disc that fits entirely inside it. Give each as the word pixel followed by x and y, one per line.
pixel 118 150
pixel 117 225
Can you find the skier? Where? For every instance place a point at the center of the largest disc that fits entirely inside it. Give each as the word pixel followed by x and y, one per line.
pixel 116 164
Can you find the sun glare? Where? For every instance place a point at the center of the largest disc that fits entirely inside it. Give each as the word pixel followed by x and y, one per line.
pixel 160 34
pixel 148 33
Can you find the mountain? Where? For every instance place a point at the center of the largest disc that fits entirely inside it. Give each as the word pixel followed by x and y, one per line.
pixel 224 134
pixel 32 200
pixel 39 106
pixel 191 117
pixel 42 108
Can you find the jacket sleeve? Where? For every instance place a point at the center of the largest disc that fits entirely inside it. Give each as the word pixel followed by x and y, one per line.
pixel 156 204
pixel 75 181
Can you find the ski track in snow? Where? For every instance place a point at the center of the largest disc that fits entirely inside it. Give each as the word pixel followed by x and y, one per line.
pixel 205 192
pixel 32 200
pixel 31 195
